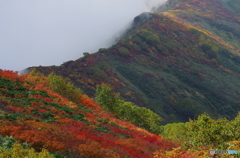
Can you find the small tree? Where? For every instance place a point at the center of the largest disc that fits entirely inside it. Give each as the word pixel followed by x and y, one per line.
pixel 105 97
pixel 85 56
pixel 175 131
pixel 206 131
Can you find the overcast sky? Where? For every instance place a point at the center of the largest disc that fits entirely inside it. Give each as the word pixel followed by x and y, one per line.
pixel 50 32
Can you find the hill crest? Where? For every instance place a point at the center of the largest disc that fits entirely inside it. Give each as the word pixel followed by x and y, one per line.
pixel 179 63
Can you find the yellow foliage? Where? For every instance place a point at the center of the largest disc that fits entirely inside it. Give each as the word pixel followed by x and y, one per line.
pixel 129 93
pixel 208 33
pixel 159 154
pixel 19 152
pixel 175 11
pixel 234 145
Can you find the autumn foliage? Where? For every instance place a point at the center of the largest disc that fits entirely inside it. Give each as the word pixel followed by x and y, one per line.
pixel 32 112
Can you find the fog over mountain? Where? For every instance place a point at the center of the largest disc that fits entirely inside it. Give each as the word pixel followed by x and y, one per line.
pixel 34 32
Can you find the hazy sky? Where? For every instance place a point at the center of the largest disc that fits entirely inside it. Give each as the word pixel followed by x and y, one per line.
pixel 50 32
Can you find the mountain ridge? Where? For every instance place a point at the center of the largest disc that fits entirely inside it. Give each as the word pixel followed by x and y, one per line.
pixel 175 62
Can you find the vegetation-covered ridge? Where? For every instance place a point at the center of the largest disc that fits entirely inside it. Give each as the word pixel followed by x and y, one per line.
pixel 178 63
pixel 220 17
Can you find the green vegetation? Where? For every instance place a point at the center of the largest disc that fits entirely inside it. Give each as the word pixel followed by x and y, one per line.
pixel 98 70
pixel 140 116
pixel 175 131
pixel 85 56
pixel 10 148
pixel 123 52
pixel 64 88
pixel 205 131
pixel 179 66
pixel 102 50
pixel 105 97
pixel 233 5
pixel 149 37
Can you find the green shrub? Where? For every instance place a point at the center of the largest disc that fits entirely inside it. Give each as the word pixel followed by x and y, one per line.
pixel 123 52
pixel 11 148
pixel 150 37
pixel 175 131
pixel 18 151
pixel 64 88
pixel 97 72
pixel 213 133
pixel 140 116
pixel 102 50
pixel 105 97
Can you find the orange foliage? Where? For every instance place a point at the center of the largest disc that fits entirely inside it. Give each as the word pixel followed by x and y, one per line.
pixel 64 120
pixel 41 97
pixel 208 33
pixel 90 117
pixel 40 83
pixel 39 134
pixel 92 149
pixel 55 95
pixel 89 103
pixel 12 75
pixel 96 139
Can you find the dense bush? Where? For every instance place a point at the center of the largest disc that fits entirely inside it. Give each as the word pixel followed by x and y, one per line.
pixel 140 116
pixel 66 89
pixel 11 148
pixel 205 131
pixel 150 37
pixel 124 52
pixel 97 71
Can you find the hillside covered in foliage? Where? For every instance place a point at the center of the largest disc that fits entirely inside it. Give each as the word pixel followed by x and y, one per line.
pixel 181 61
pixel 31 112
pixel 40 119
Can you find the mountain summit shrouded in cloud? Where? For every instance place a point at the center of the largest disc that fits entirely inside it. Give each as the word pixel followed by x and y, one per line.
pixel 51 32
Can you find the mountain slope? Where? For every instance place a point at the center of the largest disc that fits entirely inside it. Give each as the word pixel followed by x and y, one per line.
pixel 32 113
pixel 42 117
pixel 179 63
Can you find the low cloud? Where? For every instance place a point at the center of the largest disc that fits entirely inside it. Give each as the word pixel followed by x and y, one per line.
pixel 50 32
